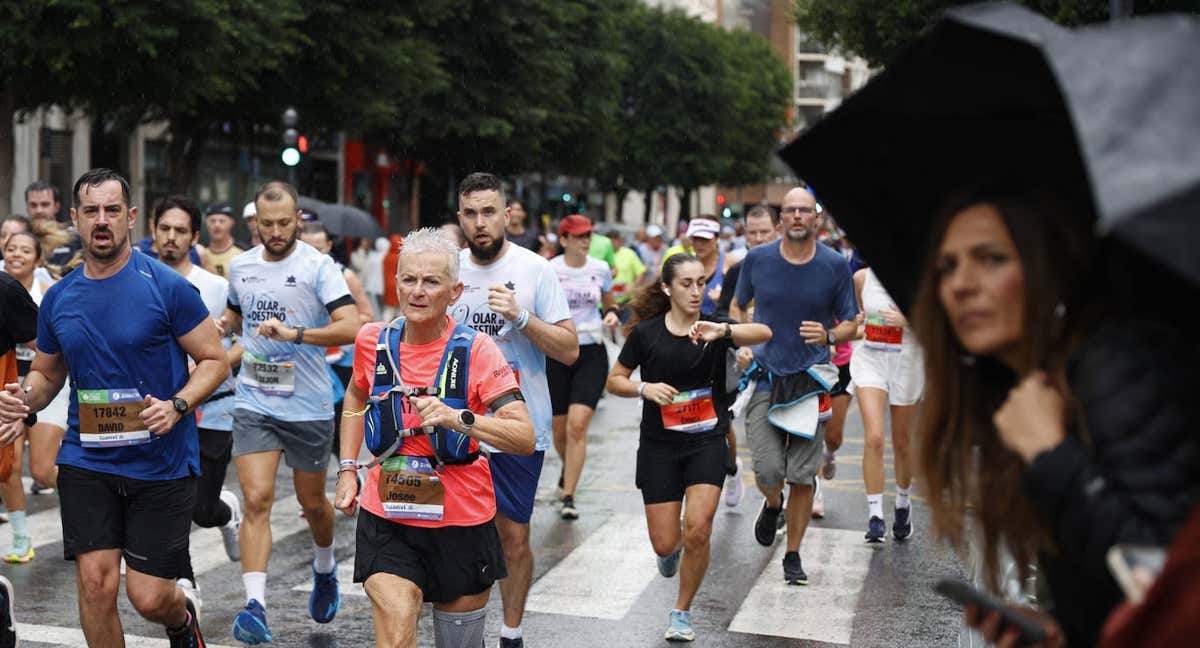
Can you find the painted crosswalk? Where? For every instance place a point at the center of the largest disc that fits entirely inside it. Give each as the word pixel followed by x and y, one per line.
pixel 31 632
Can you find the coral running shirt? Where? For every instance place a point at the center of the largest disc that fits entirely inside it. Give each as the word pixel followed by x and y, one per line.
pixel 469 498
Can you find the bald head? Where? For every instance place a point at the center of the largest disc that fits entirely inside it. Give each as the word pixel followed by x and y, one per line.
pixel 798 215
pixel 799 195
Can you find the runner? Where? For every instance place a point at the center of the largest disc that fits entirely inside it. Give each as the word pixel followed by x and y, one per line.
pixel 799 288
pixel 888 369
pixel 575 389
pixel 685 414
pixel 129 459
pixel 629 275
pixel 175 226
pixel 513 295
pixel 701 240
pixel 222 248
pixel 445 550
pixel 290 302
pixel 839 404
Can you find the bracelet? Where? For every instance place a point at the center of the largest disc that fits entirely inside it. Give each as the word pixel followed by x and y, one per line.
pixel 641 388
pixel 347 462
pixel 522 319
pixel 361 412
pixel 612 309
pixel 299 335
pixel 347 469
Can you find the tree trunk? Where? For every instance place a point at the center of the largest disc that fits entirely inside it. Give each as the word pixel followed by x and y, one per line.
pixel 7 112
pixel 621 193
pixel 647 203
pixel 183 153
pixel 685 204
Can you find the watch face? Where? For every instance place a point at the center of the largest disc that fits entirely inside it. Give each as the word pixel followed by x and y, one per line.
pixel 468 417
pixel 180 404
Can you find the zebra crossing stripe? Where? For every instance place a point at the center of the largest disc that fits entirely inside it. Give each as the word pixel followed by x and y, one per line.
pixel 346 584
pixel 74 637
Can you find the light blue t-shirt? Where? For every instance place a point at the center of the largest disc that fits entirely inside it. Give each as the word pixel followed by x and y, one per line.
pixel 214 290
pixel 786 294
pixel 538 290
pixel 285 381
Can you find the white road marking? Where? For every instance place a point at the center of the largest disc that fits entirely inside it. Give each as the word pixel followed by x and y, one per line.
pixel 74 637
pixel 836 561
pixel 346 584
pixel 602 577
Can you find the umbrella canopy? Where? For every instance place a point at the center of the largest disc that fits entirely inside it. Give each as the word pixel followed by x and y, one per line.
pixel 345 220
pixel 996 93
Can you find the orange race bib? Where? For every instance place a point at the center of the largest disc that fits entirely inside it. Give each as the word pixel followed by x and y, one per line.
pixel 691 412
pixel 881 336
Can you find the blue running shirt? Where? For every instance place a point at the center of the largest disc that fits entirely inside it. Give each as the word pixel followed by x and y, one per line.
pixel 119 336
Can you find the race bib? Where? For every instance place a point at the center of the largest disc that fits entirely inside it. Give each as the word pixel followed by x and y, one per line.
pixel 691 411
pixel 274 375
pixel 409 489
pixel 110 417
pixel 25 354
pixel 881 336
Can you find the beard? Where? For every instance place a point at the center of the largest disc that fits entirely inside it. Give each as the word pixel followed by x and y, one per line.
pixel 486 253
pixel 281 249
pixel 115 247
pixel 802 235
pixel 172 258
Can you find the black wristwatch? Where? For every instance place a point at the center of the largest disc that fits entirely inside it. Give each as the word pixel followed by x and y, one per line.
pixel 466 420
pixel 181 405
pixel 728 331
pixel 299 335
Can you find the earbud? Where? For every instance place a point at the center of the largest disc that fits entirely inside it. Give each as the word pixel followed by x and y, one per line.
pixel 666 292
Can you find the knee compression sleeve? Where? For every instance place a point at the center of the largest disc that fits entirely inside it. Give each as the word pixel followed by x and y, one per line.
pixel 459 629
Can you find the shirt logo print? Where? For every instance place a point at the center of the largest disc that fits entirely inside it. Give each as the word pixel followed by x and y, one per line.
pixel 510 285
pixel 291 281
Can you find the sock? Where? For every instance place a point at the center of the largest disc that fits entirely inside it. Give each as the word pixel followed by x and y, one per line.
pixel 323 559
pixel 510 633
pixel 20 524
pixel 187 623
pixel 458 629
pixel 829 456
pixel 256 587
pixel 875 504
pixel 902 498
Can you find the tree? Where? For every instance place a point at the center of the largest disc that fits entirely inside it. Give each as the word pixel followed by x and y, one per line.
pixel 877 31
pixel 759 89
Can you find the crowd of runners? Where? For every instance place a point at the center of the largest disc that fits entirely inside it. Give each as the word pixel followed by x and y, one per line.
pixel 439 418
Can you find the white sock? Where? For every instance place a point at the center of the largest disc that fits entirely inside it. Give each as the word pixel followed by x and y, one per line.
pixel 902 498
pixel 256 586
pixel 323 559
pixel 509 633
pixel 875 504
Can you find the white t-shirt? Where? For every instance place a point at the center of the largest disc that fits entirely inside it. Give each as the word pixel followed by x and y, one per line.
pixel 584 287
pixel 285 381
pixel 214 291
pixel 538 290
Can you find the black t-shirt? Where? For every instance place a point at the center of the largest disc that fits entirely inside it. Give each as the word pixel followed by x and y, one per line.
pixel 18 314
pixel 674 360
pixel 728 288
pixel 527 239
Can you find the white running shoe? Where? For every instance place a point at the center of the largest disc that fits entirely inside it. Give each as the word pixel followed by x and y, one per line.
pixel 734 488
pixel 192 592
pixel 231 530
pixel 818 509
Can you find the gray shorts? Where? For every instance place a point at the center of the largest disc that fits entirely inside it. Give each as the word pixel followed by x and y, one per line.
pixel 305 444
pixel 777 455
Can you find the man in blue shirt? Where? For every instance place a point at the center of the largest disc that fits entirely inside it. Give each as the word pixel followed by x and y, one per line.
pixel 799 288
pixel 123 328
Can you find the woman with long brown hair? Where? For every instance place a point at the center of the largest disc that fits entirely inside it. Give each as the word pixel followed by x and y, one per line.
pixel 1058 427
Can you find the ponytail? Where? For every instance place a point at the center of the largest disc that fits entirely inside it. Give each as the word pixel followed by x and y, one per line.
pixel 652 301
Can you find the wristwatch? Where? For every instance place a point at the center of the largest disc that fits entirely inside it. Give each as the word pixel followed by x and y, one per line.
pixel 728 331
pixel 832 337
pixel 466 420
pixel 181 405
pixel 299 335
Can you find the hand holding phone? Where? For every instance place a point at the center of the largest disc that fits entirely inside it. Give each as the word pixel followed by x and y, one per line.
pixel 964 594
pixel 1135 568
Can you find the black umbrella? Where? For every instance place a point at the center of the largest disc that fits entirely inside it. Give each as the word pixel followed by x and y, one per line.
pixel 998 93
pixel 345 220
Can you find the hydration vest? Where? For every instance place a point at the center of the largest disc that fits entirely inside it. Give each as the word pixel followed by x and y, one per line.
pixel 384 422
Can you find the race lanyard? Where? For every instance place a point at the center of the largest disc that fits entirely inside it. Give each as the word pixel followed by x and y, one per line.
pixel 110 417
pixel 881 336
pixel 691 412
pixel 274 375
pixel 410 489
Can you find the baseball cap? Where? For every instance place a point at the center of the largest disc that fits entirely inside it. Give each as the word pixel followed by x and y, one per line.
pixel 249 210
pixel 309 215
pixel 219 208
pixel 703 228
pixel 575 225
pixel 653 230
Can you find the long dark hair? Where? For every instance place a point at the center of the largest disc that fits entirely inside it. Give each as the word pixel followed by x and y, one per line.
pixel 652 301
pixel 959 452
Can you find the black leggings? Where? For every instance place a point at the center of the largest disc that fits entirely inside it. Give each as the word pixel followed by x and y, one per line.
pixel 216 448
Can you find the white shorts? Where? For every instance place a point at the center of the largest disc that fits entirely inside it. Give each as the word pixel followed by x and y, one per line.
pixel 56 412
pixel 899 373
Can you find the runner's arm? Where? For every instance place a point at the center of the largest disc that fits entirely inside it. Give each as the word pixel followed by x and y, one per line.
pixel 557 340
pixel 361 303
pixel 340 330
pixel 232 321
pixel 233 355
pixel 350 444
pixel 619 384
pixel 204 346
pixel 860 278
pixel 46 377
pixel 508 429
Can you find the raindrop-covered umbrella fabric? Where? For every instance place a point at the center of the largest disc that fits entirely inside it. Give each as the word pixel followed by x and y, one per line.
pixel 996 93
pixel 343 220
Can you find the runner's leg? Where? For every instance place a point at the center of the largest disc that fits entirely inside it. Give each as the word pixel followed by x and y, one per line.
pixel 318 510
pixel 214 462
pixel 44 441
pixel 514 538
pixel 159 600
pixel 837 423
pixel 903 419
pixel 662 521
pixel 13 494
pixel 701 505
pixel 461 621
pixel 579 417
pixel 395 607
pixel 799 511
pixel 98 577
pixel 872 402
pixel 256 473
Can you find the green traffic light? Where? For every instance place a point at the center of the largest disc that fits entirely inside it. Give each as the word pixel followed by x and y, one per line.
pixel 290 156
pixel 566 197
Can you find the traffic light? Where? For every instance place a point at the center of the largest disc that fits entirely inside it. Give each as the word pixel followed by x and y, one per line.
pixel 721 199
pixel 566 197
pixel 293 142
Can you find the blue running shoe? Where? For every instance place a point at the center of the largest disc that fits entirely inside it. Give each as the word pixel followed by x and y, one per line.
pixel 875 530
pixel 668 565
pixel 679 626
pixel 902 527
pixel 250 625
pixel 325 599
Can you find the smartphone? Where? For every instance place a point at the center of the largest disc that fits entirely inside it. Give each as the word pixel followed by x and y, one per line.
pixel 1134 567
pixel 965 594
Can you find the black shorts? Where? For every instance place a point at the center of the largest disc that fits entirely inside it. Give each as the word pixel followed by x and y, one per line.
pixel 843 381
pixel 666 470
pixel 579 384
pixel 150 521
pixel 446 562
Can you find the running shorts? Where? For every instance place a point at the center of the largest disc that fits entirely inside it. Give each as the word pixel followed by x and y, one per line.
pixel 899 373
pixel 666 470
pixel 55 412
pixel 445 562
pixel 844 387
pixel 579 384
pixel 305 444
pixel 149 521
pixel 515 479
pixel 778 456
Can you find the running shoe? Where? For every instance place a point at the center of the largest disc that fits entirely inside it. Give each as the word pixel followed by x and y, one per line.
pixel 38 489
pixel 828 465
pixel 568 510
pixel 669 565
pixel 767 524
pixel 191 592
pixel 8 625
pixel 325 599
pixel 734 488
pixel 189 636
pixel 818 507
pixel 21 551
pixel 250 625
pixel 902 527
pixel 231 530
pixel 679 626
pixel 876 529
pixel 3 514
pixel 793 572
pixel 512 643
